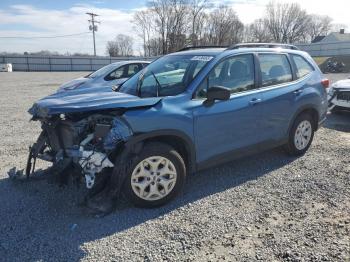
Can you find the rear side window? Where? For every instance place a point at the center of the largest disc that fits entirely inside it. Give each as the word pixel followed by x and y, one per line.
pixel 275 69
pixel 303 67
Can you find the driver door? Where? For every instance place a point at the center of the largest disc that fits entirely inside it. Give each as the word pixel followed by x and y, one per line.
pixel 224 128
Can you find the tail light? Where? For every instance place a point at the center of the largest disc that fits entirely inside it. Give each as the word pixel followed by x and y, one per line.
pixel 325 83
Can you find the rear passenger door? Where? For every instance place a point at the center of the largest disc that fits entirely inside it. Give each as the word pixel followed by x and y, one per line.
pixel 279 93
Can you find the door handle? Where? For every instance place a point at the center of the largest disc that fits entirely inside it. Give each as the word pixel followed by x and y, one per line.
pixel 255 101
pixel 298 91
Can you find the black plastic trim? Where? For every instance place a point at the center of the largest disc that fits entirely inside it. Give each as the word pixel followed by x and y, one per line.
pixel 239 153
pixel 190 148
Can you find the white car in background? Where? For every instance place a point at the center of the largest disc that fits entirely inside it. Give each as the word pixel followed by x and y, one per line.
pixel 104 78
pixel 339 95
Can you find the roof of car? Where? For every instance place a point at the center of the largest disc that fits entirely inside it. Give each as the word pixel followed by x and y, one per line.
pixel 217 51
pixel 125 62
pixel 204 51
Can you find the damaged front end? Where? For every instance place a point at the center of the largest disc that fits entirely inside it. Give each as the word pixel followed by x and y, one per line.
pixel 80 145
pixel 83 136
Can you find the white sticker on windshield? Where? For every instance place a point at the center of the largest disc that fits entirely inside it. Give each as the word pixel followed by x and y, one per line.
pixel 202 58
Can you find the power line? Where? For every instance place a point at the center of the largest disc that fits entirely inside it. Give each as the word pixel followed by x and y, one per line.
pixel 93 27
pixel 35 37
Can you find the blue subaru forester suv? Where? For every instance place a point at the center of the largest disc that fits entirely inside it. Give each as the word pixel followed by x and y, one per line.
pixel 185 112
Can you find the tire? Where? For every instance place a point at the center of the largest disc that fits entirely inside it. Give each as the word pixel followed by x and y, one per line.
pixel 300 135
pixel 155 177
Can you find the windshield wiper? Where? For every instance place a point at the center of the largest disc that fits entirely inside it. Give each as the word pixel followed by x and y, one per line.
pixel 139 83
pixel 158 84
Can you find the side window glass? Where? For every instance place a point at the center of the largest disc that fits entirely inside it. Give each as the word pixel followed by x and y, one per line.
pixel 199 66
pixel 133 69
pixel 202 90
pixel 303 67
pixel 235 73
pixel 275 69
pixel 116 74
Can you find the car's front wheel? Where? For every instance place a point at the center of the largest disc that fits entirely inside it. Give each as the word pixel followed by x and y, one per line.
pixel 156 176
pixel 300 135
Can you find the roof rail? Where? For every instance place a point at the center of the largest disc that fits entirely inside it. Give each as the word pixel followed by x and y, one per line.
pixel 263 45
pixel 200 47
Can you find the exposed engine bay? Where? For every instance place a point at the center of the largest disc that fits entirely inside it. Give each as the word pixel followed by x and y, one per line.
pixel 81 146
pixel 88 143
pixel 85 139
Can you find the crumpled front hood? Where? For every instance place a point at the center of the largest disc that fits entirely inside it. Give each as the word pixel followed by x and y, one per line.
pixel 342 84
pixel 59 103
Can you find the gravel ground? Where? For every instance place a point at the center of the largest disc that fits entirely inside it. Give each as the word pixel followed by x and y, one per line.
pixel 264 207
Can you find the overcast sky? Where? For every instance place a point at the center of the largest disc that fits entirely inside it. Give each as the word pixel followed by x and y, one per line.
pixel 51 18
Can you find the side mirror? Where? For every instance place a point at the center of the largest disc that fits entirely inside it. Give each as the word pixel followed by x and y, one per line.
pixel 217 93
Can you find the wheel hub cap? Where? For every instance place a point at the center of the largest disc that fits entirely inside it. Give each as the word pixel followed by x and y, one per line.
pixel 302 135
pixel 153 178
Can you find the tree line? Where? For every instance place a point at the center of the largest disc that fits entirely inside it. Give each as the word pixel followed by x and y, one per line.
pixel 169 25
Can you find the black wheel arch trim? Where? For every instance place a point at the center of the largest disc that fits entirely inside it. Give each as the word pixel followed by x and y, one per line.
pixel 189 145
pixel 300 110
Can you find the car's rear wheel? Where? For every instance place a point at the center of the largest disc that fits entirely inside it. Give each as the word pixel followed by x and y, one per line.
pixel 156 176
pixel 300 135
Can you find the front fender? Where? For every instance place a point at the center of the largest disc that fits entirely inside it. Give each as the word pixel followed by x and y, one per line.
pixel 186 140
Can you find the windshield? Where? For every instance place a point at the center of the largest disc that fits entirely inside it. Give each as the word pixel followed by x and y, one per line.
pixel 167 76
pixel 102 71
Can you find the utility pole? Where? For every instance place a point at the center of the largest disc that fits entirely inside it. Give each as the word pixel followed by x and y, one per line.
pixel 93 27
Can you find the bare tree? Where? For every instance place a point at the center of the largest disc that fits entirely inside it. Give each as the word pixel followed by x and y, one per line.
pixel 201 29
pixel 168 25
pixel 337 27
pixel 125 44
pixel 160 9
pixel 224 26
pixel 177 25
pixel 287 23
pixel 122 45
pixel 197 17
pixel 319 25
pixel 170 22
pixel 112 48
pixel 258 32
pixel 156 47
pixel 144 23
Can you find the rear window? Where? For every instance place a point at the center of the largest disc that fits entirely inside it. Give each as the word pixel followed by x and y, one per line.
pixel 303 67
pixel 275 69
